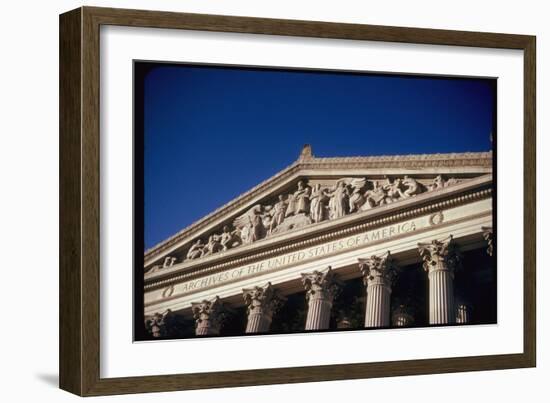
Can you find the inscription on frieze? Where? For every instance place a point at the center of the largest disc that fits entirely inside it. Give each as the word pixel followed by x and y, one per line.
pixel 300 256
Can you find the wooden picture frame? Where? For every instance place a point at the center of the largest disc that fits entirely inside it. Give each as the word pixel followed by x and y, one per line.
pixel 80 200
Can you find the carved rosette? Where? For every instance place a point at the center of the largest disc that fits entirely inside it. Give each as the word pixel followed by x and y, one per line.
pixel 441 259
pixel 379 273
pixel 262 303
pixel 209 316
pixel 321 289
pixel 488 236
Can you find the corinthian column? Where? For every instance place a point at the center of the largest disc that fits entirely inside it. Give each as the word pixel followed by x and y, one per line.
pixel 262 302
pixel 378 274
pixel 440 262
pixel 321 289
pixel 208 316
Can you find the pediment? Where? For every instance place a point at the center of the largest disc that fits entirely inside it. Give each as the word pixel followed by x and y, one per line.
pixel 312 191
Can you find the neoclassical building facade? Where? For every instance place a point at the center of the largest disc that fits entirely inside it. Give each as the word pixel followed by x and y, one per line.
pixel 333 244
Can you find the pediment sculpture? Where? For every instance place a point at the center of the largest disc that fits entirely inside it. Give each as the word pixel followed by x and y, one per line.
pixel 312 203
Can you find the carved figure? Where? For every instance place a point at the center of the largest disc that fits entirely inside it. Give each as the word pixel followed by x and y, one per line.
pixel 245 233
pixel 258 229
pixel 250 224
pixel 412 187
pixel 168 261
pixel 279 210
pixel 302 197
pixel 212 246
pixel 338 204
pixel 291 205
pixel 374 197
pixel 228 238
pixel 355 195
pixel 393 191
pixel 319 198
pixel 438 183
pixel 195 251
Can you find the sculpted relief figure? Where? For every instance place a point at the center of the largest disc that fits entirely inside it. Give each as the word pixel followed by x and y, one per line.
pixel 439 183
pixel 338 204
pixel 212 246
pixel 279 211
pixel 168 261
pixel 389 192
pixel 412 187
pixel 302 198
pixel 318 205
pixel 375 196
pixel 393 191
pixel 195 251
pixel 355 193
pixel 250 225
pixel 228 238
pixel 258 229
pixel 291 205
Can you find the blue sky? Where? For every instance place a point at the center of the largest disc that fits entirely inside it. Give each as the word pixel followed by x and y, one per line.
pixel 212 133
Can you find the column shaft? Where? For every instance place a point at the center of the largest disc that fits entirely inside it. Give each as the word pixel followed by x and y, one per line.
pixel 318 314
pixel 321 289
pixel 205 327
pixel 261 303
pixel 378 275
pixel 441 259
pixel 378 306
pixel 258 322
pixel 442 305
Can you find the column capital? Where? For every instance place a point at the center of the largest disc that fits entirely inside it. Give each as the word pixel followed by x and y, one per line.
pixel 156 325
pixel 208 314
pixel 440 255
pixel 488 236
pixel 321 284
pixel 264 299
pixel 379 269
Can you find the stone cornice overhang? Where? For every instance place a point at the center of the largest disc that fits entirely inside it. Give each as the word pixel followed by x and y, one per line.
pixel 474 162
pixel 466 192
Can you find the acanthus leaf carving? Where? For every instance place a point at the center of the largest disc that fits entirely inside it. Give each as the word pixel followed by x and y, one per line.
pixel 378 269
pixel 265 299
pixel 440 255
pixel 156 325
pixel 322 284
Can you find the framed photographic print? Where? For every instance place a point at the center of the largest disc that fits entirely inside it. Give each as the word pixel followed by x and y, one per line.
pixel 274 201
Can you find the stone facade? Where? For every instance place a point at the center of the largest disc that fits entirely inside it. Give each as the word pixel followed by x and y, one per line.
pixel 320 224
